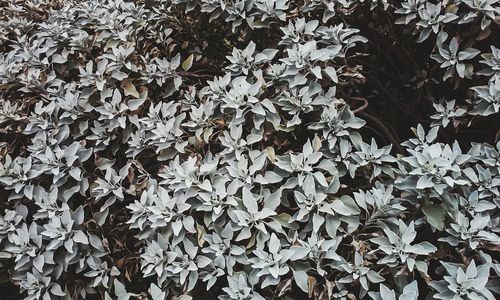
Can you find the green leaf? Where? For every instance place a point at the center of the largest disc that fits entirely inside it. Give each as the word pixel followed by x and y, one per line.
pixel 186 65
pixel 435 215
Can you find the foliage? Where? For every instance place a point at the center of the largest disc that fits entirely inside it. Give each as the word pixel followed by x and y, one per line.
pixel 178 149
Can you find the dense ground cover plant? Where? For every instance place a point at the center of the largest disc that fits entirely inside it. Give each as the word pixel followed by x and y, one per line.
pixel 250 149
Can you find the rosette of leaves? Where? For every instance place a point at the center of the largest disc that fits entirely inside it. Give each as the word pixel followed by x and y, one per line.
pixel 452 59
pixel 461 282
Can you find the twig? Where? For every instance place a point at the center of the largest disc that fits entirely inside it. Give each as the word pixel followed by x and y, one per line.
pixel 362 107
pixel 193 75
pixel 385 131
pixel 394 100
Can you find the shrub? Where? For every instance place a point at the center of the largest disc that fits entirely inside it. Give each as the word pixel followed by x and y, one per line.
pixel 250 149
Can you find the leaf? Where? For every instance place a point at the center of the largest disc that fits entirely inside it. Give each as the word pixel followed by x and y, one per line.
pixel 182 297
pixel 56 290
pixel 274 244
pixel 386 293
pixel 156 293
pixel 119 75
pixel 129 88
pixel 104 163
pixel 374 277
pixel 317 72
pixel 177 227
pixel 434 214
pixel 249 201
pixel 299 252
pixel 186 65
pixel 332 224
pixel 96 243
pixel 272 177
pixel 332 73
pixel 59 59
pixel 271 155
pixel 120 291
pixel 80 237
pixel 316 143
pixel 200 234
pixel 301 279
pixel 424 182
pixel 38 263
pixel 317 221
pixel 101 217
